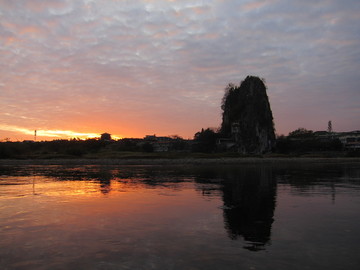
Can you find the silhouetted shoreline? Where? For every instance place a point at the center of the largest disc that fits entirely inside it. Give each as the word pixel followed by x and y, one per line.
pixel 179 161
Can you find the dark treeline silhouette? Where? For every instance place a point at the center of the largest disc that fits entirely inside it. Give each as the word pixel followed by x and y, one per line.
pixel 206 141
pixel 298 142
pixel 49 149
pixel 302 140
pixel 89 148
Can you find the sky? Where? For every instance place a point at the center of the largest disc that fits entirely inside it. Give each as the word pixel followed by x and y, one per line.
pixel 79 68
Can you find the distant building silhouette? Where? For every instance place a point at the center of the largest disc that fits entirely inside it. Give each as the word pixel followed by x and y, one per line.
pixel 350 140
pixel 105 137
pixel 159 144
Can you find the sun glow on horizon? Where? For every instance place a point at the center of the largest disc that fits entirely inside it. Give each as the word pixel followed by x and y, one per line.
pixel 56 134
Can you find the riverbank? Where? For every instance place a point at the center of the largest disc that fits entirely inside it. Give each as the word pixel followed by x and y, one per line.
pixel 179 161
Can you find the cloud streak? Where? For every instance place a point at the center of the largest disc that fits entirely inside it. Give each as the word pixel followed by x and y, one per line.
pixel 138 67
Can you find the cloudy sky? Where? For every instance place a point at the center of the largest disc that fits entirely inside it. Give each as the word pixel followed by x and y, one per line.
pixel 77 68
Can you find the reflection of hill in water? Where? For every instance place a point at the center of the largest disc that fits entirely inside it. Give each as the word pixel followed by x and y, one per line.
pixel 248 191
pixel 248 194
pixel 249 203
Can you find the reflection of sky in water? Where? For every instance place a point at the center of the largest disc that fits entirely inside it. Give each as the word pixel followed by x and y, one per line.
pixel 98 217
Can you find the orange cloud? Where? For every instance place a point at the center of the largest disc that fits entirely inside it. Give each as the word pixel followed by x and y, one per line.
pixel 31 30
pixel 201 9
pixel 253 5
pixel 11 40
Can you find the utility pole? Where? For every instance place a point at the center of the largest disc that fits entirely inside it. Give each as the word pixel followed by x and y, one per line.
pixel 35 135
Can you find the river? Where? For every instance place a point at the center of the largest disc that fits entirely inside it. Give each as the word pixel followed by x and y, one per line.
pixel 251 216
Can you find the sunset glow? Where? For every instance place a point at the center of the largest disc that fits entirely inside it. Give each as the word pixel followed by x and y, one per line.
pixel 134 68
pixel 59 134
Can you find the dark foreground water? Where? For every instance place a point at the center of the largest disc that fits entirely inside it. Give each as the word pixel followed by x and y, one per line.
pixel 304 216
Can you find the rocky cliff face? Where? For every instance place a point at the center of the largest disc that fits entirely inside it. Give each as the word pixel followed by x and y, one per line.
pixel 247 116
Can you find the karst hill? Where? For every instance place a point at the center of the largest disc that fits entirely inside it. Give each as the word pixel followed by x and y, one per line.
pixel 247 118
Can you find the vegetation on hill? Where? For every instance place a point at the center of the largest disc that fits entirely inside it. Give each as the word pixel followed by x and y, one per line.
pixel 247 123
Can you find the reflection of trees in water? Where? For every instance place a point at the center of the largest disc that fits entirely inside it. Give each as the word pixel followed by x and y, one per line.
pixel 139 176
pixel 306 179
pixel 104 178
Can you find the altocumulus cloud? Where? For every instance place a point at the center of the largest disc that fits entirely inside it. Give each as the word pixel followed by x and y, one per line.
pixel 137 67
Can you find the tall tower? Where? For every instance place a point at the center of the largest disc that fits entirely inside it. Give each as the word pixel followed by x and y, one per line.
pixel 330 130
pixel 35 135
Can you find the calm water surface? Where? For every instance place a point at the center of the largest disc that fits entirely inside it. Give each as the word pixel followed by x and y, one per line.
pixel 304 216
